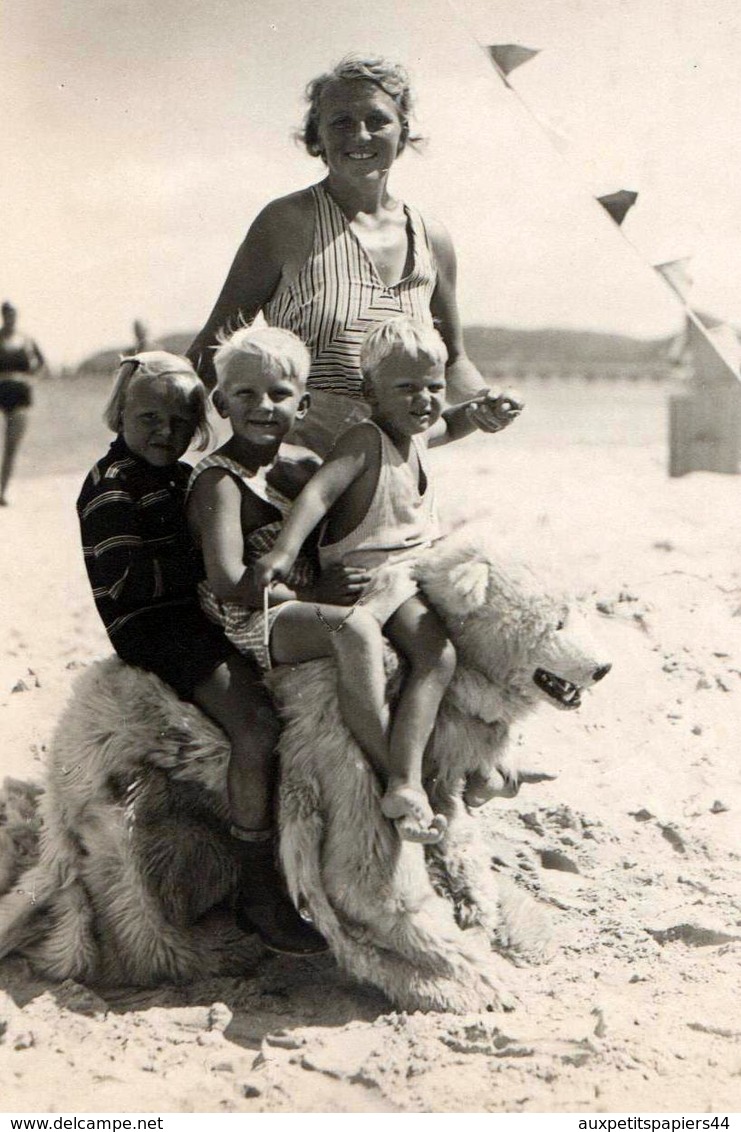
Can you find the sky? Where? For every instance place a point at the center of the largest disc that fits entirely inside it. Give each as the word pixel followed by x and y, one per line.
pixel 141 138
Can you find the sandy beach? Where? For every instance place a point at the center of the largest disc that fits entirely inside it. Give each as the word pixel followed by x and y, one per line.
pixel 633 847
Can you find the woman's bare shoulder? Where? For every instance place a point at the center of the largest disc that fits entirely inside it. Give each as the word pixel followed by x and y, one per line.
pixel 284 229
pixel 440 241
pixel 294 209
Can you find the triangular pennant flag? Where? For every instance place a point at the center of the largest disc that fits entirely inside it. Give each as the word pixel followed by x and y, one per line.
pixel 709 321
pixel 726 344
pixel 508 56
pixel 675 273
pixel 618 204
pixel 715 352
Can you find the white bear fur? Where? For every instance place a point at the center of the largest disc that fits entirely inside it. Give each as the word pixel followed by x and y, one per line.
pixel 136 860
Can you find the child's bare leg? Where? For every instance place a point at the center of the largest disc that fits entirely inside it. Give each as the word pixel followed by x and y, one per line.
pixel 299 634
pixel 234 696
pixel 418 633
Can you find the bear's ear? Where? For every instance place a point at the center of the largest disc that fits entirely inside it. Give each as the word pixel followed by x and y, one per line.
pixel 468 584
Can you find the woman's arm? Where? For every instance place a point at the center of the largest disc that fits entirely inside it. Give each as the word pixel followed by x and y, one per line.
pixel 276 245
pixel 475 406
pixel 490 412
pixel 463 378
pixel 36 359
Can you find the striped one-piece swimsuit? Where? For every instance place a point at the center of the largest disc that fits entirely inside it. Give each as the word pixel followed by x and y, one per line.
pixel 338 295
pixel 246 628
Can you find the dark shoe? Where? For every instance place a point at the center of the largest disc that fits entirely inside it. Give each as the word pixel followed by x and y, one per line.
pixel 263 905
pixel 280 927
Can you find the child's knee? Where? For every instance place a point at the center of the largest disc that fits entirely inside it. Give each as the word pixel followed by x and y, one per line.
pixel 361 629
pixel 237 699
pixel 435 657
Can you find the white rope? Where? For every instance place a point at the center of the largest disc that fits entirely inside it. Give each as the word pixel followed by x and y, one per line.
pixel 494 66
pixel 266 623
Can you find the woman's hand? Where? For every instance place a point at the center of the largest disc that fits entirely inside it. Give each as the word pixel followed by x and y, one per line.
pixel 492 412
pixel 291 473
pixel 274 565
pixel 340 585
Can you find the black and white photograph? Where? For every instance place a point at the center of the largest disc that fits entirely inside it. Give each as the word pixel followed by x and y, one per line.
pixel 370 651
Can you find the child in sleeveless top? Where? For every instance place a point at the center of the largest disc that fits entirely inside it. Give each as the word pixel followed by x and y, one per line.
pixel 144 571
pixel 376 496
pixel 239 497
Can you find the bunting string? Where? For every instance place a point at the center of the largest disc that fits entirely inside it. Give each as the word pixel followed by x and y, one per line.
pixel 507 57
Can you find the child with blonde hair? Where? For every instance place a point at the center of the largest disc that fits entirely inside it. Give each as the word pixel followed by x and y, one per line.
pixel 144 571
pixel 376 498
pixel 239 497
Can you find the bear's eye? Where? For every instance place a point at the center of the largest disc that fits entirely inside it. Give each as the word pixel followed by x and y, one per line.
pixel 561 624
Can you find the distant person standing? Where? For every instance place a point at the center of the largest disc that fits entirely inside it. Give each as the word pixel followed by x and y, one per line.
pixel 19 357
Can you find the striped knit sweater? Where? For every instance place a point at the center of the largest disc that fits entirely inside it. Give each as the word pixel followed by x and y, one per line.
pixel 138 553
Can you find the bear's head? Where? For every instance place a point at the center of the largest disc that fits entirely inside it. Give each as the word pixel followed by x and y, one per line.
pixel 529 642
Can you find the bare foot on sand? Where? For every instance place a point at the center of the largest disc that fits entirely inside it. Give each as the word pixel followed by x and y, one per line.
pixel 481 788
pixel 410 810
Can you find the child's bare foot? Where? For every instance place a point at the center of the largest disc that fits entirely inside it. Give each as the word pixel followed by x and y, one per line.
pixel 409 830
pixel 410 810
pixel 481 788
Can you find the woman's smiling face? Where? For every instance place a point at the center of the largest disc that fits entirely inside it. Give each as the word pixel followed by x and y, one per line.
pixel 360 130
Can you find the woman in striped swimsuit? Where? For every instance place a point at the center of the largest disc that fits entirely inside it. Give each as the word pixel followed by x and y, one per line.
pixel 330 261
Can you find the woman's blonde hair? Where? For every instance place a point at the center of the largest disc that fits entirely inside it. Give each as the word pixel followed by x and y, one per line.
pixel 281 351
pixel 390 77
pixel 158 363
pixel 400 335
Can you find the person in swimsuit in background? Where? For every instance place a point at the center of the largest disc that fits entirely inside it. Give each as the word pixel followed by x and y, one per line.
pixel 330 261
pixel 19 357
